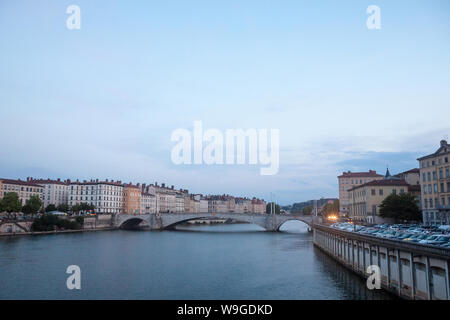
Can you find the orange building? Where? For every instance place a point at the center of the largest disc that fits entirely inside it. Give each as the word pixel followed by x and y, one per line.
pixel 131 199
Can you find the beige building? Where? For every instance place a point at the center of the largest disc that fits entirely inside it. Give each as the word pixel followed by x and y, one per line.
pixel 349 180
pixel 365 199
pixel 258 206
pixel 412 177
pixel 148 203
pixel 24 189
pixel 243 205
pixel 165 197
pixel 435 181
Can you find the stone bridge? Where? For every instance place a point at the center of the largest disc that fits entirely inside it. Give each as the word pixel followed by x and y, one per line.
pixel 160 221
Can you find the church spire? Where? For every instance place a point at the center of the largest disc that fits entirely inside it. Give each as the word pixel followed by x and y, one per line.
pixel 388 174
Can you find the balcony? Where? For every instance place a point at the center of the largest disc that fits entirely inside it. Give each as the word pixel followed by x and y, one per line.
pixel 443 207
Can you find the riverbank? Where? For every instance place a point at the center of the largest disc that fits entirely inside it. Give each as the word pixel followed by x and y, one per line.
pixel 30 233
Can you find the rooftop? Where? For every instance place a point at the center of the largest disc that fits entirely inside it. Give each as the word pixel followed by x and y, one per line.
pixel 349 174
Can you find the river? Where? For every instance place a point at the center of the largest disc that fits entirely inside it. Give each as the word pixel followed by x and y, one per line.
pixel 233 261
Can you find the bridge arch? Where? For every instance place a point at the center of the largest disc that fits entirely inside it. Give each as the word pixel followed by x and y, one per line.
pixel 131 224
pixel 307 223
pixel 173 224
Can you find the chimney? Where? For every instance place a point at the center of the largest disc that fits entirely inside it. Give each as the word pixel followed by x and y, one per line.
pixel 443 143
pixel 28 179
pixel 58 179
pixel 171 187
pixel 163 185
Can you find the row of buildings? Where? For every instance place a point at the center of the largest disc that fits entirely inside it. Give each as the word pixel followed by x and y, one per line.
pixel 361 193
pixel 115 197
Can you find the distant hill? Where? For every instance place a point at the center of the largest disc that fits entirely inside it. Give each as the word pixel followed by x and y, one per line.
pixel 298 206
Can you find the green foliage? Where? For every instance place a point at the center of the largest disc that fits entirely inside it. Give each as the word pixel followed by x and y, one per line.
pixel 32 205
pixel 63 207
pixel 10 202
pixel 80 220
pixel 50 207
pixel 276 208
pixel 82 207
pixel 400 207
pixel 50 222
pixel 307 210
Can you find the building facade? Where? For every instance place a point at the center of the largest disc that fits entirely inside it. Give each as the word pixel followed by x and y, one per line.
pixel 148 203
pixel 131 199
pixel 349 180
pixel 258 206
pixel 55 192
pixel 24 189
pixel 366 199
pixel 106 196
pixel 435 181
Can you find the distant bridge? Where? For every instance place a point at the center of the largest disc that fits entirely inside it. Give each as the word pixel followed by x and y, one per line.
pixel 160 221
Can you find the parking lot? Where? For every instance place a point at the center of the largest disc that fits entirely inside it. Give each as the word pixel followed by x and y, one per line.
pixel 414 233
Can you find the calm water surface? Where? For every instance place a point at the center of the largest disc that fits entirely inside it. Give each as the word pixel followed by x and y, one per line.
pixel 238 261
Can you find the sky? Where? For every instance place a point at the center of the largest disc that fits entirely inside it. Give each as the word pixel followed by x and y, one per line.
pixel 102 101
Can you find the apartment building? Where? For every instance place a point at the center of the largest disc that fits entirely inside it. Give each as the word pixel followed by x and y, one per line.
pixel 55 192
pixel 258 206
pixel 148 203
pixel 165 197
pixel 106 196
pixel 131 203
pixel 435 181
pixel 217 204
pixel 24 189
pixel 243 205
pixel 366 199
pixel 349 180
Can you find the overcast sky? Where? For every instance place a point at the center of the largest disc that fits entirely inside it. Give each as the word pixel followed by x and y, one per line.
pixel 102 101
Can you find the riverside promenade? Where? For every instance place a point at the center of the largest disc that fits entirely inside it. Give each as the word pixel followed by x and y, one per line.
pixel 408 270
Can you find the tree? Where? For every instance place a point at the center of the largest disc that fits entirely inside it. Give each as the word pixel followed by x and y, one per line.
pixel 307 210
pixel 63 207
pixel 32 205
pixel 400 207
pixel 50 207
pixel 10 202
pixel 276 208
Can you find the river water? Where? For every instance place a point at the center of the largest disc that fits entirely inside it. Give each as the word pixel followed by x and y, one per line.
pixel 234 261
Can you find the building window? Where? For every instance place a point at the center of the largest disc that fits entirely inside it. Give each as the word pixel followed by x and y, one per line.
pixel 434 175
pixel 429 176
pixel 372 192
pixel 380 192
